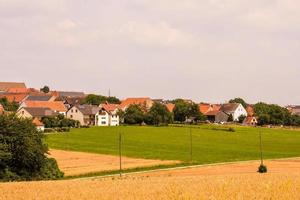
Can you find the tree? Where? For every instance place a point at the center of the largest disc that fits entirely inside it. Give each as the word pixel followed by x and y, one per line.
pixel 181 111
pixel 230 118
pixel 23 153
pixel 45 89
pixel 158 114
pixel 94 99
pixel 59 121
pixel 242 118
pixel 9 106
pixel 239 100
pixel 134 115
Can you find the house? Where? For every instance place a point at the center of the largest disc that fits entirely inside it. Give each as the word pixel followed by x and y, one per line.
pixel 108 115
pixel 213 112
pixel 85 114
pixel 14 97
pixel 170 106
pixel 70 94
pixel 39 97
pixel 38 124
pixel 294 110
pixel 250 121
pixel 4 86
pixel 56 106
pixel 145 102
pixel 35 112
pixel 234 109
pixel 1 109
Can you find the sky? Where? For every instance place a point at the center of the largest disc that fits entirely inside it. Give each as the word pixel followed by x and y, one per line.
pixel 205 50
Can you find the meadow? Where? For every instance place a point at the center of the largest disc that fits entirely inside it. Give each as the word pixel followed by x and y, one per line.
pixel 210 143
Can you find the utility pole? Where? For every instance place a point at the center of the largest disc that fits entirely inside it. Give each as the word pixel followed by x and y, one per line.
pixel 261 149
pixel 120 152
pixel 191 145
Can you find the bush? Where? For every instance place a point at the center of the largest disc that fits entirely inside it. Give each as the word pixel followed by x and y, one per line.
pixel 49 130
pixel 85 126
pixel 262 169
pixel 23 153
pixel 230 129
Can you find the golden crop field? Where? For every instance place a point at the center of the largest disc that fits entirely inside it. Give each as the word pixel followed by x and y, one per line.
pixel 242 186
pixel 228 181
pixel 77 163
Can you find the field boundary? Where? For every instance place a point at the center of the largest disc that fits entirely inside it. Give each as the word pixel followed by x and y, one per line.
pixel 179 168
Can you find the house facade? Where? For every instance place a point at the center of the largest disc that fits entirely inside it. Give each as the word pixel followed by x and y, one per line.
pixel 108 115
pixel 38 113
pixel 234 109
pixel 85 114
pixel 294 110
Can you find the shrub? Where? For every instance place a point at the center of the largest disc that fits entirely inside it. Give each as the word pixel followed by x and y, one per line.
pixel 22 151
pixel 262 169
pixel 230 129
pixel 85 126
pixel 49 130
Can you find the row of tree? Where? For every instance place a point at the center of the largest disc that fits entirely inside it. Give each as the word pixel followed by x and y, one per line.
pixel 160 115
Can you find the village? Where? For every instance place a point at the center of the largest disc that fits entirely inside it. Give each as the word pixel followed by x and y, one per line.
pixel 37 104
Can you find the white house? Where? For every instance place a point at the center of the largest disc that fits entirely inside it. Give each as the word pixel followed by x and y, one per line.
pixel 234 109
pixel 108 115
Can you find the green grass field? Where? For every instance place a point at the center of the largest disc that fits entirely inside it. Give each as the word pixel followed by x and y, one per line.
pixel 211 144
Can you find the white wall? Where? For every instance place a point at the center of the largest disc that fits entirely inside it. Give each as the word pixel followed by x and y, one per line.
pixel 239 112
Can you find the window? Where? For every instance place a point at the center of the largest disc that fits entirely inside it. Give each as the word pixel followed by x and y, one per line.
pixel 103 122
pixel 76 111
pixel 71 116
pixel 72 111
pixel 103 117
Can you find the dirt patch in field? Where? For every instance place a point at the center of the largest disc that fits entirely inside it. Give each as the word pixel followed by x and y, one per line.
pixel 274 166
pixel 77 163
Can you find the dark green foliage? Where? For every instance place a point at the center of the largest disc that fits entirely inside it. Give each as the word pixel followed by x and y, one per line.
pixel 272 114
pixel 94 99
pixel 22 151
pixel 184 110
pixel 230 118
pixel 239 100
pixel 158 115
pixel 59 121
pixel 262 169
pixel 242 118
pixel 134 115
pixel 45 89
pixel 230 129
pixel 8 106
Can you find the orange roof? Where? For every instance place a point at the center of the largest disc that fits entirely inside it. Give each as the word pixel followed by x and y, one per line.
pixel 18 97
pixel 170 107
pixel 37 122
pixel 19 90
pixel 138 101
pixel 206 107
pixel 57 106
pixel 109 107
pixel 4 86
pixel 250 110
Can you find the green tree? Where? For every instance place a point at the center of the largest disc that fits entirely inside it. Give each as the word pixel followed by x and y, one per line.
pixel 45 89
pixel 9 106
pixel 23 153
pixel 239 100
pixel 158 114
pixel 181 111
pixel 134 115
pixel 242 118
pixel 230 118
pixel 94 99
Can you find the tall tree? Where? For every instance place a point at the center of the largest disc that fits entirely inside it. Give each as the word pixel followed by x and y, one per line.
pixel 134 115
pixel 45 89
pixel 239 100
pixel 158 114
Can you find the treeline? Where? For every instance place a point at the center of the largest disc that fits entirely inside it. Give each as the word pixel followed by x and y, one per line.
pixel 159 114
pixel 275 115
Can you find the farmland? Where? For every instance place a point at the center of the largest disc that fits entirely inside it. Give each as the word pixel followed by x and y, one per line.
pixel 194 185
pixel 210 144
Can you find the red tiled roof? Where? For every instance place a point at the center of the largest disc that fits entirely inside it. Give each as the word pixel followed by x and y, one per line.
pixel 21 90
pixel 206 107
pixel 109 107
pixel 37 122
pixel 4 86
pixel 170 107
pixel 250 110
pixel 17 97
pixel 131 101
pixel 53 105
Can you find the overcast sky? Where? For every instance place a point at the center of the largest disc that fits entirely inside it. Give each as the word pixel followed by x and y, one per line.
pixel 206 50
